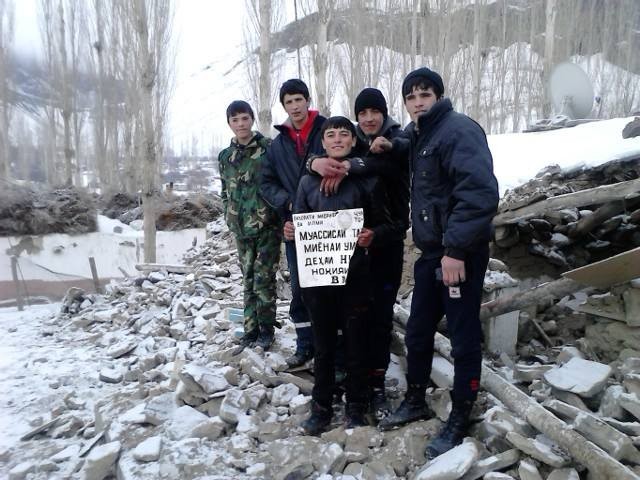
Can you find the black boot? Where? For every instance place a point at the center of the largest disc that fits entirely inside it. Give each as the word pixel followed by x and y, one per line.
pixel 413 407
pixel 249 338
pixel 299 358
pixel 355 415
pixel 378 404
pixel 379 407
pixel 318 421
pixel 265 337
pixel 453 431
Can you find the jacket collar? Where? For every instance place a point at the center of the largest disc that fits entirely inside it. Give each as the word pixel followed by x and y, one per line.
pixel 286 126
pixel 388 124
pixel 434 116
pixel 257 136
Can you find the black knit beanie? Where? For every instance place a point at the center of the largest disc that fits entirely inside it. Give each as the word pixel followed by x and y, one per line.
pixel 415 76
pixel 293 86
pixel 239 106
pixel 371 98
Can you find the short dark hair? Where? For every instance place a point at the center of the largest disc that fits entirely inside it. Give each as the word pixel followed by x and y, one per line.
pixel 293 86
pixel 423 78
pixel 338 122
pixel 239 106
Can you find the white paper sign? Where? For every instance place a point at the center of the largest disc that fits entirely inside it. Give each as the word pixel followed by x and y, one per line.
pixel 325 242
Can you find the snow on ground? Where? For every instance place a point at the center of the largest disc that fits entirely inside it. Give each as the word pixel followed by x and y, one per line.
pixel 38 371
pixel 517 157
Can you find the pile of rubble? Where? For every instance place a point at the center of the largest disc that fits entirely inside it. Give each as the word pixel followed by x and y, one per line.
pixel 174 212
pixel 35 211
pixel 569 218
pixel 185 402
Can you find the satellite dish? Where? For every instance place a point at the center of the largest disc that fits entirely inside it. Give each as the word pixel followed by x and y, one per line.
pixel 571 91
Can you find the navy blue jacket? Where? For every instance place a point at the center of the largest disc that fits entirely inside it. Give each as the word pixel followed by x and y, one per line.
pixel 367 193
pixel 283 169
pixel 454 193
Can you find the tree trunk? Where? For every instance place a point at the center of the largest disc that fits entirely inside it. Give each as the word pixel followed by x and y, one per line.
pixel 264 93
pixel 321 60
pixel 147 82
pixel 549 42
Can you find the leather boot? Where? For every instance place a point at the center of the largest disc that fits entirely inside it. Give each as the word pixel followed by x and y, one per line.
pixel 299 358
pixel 453 431
pixel 413 407
pixel 265 337
pixel 318 421
pixel 379 407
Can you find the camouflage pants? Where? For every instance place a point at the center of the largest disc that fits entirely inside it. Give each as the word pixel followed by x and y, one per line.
pixel 259 258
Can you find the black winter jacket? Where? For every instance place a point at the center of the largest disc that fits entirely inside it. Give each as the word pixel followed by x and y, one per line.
pixel 454 192
pixel 354 192
pixel 393 169
pixel 282 171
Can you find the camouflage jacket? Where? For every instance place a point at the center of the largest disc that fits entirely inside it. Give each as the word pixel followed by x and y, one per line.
pixel 245 211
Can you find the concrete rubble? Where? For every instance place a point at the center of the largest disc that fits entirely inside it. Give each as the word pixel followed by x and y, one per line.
pixel 180 401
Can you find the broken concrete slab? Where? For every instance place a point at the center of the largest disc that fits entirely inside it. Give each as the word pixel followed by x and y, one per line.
pixel 148 450
pixel 582 377
pixel 101 461
pixel 564 474
pixel 500 421
pixel 528 470
pixel 330 459
pixel 441 372
pixel 450 465
pixel 284 394
pixel 610 403
pixel 202 379
pixel 20 471
pixel 553 457
pixel 499 461
pixel 185 423
pixel 631 403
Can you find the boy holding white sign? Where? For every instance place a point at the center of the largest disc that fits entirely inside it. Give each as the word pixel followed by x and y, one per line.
pixel 345 299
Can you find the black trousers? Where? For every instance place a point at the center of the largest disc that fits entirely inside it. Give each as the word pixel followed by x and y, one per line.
pixel 345 308
pixel 430 302
pixel 386 269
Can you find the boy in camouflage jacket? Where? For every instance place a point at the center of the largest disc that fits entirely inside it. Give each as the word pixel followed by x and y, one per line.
pixel 253 222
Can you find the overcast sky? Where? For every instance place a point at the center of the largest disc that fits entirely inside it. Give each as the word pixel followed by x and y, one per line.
pixel 209 36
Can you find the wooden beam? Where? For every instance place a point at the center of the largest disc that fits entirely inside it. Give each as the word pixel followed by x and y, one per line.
pixel 157 267
pixel 591 196
pixel 599 462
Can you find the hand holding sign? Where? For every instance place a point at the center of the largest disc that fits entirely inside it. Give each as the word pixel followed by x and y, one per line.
pixel 325 242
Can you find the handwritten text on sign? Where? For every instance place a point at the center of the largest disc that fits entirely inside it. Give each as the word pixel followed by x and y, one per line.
pixel 325 242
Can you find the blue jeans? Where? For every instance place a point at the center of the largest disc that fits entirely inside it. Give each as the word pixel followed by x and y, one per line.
pixel 297 309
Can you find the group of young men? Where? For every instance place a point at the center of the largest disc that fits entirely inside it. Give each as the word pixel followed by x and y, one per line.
pixel 440 169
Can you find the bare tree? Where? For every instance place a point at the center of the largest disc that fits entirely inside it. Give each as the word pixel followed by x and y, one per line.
pixel 152 23
pixel 6 39
pixel 263 17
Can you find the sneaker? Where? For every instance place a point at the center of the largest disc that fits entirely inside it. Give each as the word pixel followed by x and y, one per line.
pixel 413 407
pixel 299 358
pixel 355 415
pixel 318 421
pixel 265 337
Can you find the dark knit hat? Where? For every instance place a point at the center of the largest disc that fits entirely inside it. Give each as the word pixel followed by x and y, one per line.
pixel 415 77
pixel 293 86
pixel 371 98
pixel 239 106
